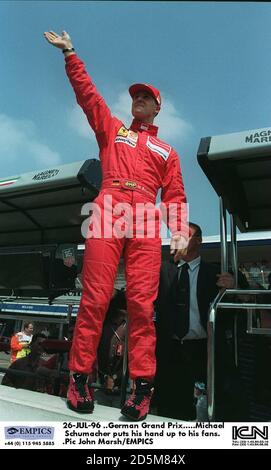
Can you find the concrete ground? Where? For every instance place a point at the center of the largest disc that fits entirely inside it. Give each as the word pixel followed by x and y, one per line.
pixel 19 404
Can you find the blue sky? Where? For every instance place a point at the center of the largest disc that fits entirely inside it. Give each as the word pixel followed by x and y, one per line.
pixel 210 60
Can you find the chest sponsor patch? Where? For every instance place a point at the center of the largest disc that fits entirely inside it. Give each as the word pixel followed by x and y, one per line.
pixel 123 131
pixel 125 136
pixel 158 147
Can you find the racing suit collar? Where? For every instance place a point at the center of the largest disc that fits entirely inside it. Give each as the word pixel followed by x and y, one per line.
pixel 144 126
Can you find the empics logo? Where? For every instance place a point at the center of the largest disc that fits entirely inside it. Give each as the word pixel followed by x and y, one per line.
pixel 29 433
pixel 249 435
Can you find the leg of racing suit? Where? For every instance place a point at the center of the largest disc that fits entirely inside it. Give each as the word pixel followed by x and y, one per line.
pixel 142 261
pixel 101 258
pixel 101 261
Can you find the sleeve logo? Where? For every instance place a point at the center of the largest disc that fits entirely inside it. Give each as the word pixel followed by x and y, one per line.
pixel 159 147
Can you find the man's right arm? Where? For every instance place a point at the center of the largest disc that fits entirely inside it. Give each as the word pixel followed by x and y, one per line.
pixel 92 103
pixel 87 96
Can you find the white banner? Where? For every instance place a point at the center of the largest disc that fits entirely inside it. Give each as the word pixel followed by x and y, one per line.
pixel 127 435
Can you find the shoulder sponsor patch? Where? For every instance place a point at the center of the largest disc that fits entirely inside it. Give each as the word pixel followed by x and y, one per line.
pixel 159 147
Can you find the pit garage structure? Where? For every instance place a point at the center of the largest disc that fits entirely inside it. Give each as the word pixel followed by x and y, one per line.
pixel 40 212
pixel 238 166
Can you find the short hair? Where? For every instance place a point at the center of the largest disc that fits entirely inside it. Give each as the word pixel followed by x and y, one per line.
pixel 198 231
pixel 26 325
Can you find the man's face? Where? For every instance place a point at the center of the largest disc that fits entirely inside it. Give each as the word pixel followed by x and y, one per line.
pixel 29 329
pixel 144 106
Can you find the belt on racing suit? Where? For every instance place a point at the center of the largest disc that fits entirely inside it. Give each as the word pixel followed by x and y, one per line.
pixel 131 185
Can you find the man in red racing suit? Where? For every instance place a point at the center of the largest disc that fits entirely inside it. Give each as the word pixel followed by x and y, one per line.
pixel 135 164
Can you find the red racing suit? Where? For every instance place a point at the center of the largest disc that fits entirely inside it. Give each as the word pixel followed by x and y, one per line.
pixel 135 164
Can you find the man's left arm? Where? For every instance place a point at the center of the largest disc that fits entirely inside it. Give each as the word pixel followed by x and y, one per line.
pixel 174 206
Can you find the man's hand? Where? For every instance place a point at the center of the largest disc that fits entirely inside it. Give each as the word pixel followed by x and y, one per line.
pixel 225 280
pixel 61 42
pixel 178 245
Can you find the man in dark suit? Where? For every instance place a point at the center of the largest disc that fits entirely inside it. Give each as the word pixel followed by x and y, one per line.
pixel 182 347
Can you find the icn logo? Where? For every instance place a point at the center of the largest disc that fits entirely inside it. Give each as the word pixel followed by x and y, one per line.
pixel 250 435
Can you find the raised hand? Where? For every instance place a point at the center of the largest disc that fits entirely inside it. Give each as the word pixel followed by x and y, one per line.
pixel 61 42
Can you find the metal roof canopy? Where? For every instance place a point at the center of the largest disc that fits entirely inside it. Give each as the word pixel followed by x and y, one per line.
pixel 238 166
pixel 44 207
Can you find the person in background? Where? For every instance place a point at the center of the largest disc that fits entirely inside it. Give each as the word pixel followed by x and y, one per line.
pixel 45 331
pixel 186 290
pixel 19 343
pixel 29 363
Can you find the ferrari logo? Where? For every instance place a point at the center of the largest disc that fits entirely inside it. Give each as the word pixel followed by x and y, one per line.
pixel 123 131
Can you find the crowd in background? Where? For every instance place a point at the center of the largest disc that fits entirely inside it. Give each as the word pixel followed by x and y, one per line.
pixel 258 273
pixel 50 370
